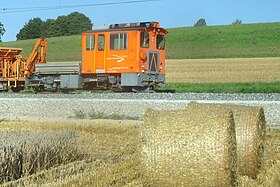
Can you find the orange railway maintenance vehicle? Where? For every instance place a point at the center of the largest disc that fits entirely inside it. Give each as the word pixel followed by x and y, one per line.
pixel 14 69
pixel 121 57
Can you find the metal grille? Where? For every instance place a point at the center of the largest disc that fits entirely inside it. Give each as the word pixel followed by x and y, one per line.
pixel 153 62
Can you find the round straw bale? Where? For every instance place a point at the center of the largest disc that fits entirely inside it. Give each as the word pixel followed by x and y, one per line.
pixel 186 148
pixel 250 135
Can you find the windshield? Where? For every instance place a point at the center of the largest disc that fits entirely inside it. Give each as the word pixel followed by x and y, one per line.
pixel 145 39
pixel 160 42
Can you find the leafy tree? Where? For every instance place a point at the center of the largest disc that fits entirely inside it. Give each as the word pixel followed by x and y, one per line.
pixel 2 31
pixel 46 28
pixel 77 23
pixel 237 22
pixel 74 23
pixel 31 30
pixel 200 23
pixel 59 27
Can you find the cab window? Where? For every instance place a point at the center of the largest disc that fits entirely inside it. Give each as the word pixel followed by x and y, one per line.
pixel 118 41
pixel 145 39
pixel 160 42
pixel 90 42
pixel 101 42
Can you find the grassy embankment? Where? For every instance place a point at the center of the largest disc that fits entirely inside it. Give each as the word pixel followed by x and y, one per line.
pixel 67 48
pixel 233 41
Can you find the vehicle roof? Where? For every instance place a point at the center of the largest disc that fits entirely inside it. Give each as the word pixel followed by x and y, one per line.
pixel 126 27
pixel 120 29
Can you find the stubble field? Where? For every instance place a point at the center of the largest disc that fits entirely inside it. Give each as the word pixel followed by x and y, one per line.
pixel 102 155
pixel 231 70
pixel 107 155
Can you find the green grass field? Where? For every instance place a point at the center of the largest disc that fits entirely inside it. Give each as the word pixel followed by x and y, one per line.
pixel 67 48
pixel 245 40
pixel 271 87
pixel 251 40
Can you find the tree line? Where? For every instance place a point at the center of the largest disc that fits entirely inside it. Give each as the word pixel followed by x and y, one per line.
pixel 202 22
pixel 2 31
pixel 74 23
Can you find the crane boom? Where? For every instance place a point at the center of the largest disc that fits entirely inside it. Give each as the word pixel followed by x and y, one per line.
pixel 37 56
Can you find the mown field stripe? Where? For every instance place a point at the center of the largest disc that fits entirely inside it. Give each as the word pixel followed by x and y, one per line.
pixel 258 87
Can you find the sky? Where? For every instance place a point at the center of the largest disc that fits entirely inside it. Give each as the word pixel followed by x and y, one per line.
pixel 170 13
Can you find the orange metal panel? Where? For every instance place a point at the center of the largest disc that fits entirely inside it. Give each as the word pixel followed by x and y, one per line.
pixel 9 52
pixel 101 53
pixel 110 60
pixel 88 54
pixel 11 67
pixel 120 61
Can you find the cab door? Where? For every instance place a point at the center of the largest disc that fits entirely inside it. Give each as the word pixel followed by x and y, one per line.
pixel 88 57
pixel 101 54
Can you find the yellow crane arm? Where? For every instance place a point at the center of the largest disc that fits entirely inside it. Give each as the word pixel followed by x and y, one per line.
pixel 37 56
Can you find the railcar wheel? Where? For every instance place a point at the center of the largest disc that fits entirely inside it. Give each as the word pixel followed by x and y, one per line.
pixel 17 89
pixel 65 91
pixel 126 89
pixel 143 89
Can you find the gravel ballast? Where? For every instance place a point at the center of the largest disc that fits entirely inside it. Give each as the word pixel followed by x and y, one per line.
pixel 50 106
